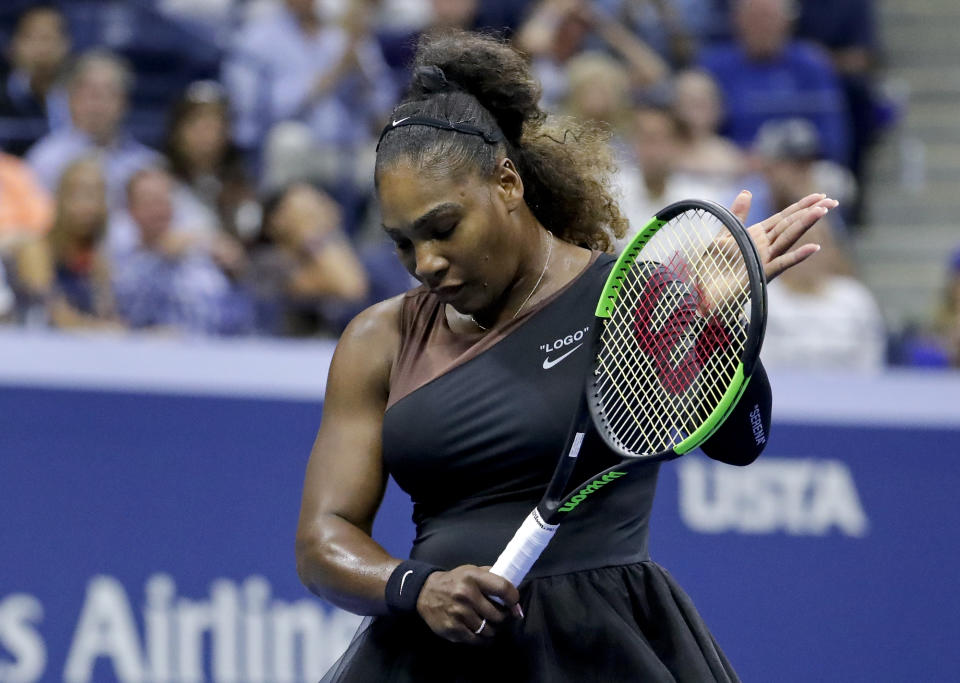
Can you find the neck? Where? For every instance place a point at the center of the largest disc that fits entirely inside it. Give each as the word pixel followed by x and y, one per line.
pixel 529 282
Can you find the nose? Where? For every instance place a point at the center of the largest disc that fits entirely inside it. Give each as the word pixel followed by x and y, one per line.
pixel 431 266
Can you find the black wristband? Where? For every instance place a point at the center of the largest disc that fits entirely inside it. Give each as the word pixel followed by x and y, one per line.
pixel 405 584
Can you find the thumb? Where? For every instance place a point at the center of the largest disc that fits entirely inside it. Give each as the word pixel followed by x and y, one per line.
pixel 741 205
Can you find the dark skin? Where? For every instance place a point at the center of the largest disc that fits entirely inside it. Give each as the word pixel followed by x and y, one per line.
pixel 474 241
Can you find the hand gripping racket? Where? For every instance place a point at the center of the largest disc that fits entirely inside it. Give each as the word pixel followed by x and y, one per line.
pixel 677 333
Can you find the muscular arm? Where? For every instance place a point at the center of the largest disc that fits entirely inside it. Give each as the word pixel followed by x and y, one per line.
pixel 336 557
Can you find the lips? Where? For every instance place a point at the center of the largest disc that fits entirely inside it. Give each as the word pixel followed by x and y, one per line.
pixel 448 292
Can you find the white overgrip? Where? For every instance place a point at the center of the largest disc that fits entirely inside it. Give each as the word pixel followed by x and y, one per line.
pixel 524 548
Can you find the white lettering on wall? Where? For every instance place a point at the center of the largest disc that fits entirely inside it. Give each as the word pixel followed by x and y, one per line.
pixel 19 637
pixel 800 497
pixel 238 635
pixel 106 629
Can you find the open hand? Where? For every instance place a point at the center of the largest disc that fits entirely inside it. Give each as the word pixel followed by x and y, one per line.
pixel 776 236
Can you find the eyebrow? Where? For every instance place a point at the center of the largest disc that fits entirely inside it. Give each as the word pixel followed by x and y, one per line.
pixel 432 214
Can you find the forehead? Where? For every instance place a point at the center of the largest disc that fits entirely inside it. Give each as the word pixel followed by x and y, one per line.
pixel 406 192
pixel 40 20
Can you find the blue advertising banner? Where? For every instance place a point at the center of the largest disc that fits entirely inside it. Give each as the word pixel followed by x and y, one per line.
pixel 149 494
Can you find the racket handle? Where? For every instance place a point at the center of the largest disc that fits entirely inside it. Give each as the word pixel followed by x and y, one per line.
pixel 523 549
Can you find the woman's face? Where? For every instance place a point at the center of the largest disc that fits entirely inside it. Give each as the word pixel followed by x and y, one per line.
pixel 82 201
pixel 454 234
pixel 202 136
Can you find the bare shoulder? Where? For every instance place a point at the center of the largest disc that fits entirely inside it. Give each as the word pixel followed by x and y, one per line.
pixel 369 344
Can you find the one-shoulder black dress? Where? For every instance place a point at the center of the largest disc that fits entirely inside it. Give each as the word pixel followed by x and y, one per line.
pixel 472 431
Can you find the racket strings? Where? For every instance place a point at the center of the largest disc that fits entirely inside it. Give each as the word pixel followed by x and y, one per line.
pixel 675 336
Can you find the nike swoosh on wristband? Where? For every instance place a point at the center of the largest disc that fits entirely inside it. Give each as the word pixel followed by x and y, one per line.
pixel 397 122
pixel 402 579
pixel 547 363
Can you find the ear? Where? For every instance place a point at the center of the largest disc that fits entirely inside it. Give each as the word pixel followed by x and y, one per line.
pixel 509 185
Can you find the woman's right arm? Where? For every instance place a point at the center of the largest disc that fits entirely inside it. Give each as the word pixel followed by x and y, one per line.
pixel 336 557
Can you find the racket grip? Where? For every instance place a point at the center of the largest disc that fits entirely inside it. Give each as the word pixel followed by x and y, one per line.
pixel 523 549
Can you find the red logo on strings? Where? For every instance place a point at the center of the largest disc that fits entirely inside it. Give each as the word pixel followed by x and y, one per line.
pixel 659 345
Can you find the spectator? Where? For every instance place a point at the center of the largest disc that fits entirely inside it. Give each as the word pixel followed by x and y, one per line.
pixel 847 30
pixel 764 75
pixel 7 298
pixel 171 280
pixel 655 182
pixel 64 277
pixel 98 88
pixel 821 320
pixel 25 207
pixel 938 346
pixel 699 109
pixel 307 278
pixel 788 154
pixel 31 98
pixel 209 168
pixel 671 27
pixel 599 91
pixel 557 30
pixel 328 77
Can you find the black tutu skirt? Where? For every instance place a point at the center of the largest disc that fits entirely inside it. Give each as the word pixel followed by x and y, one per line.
pixel 623 623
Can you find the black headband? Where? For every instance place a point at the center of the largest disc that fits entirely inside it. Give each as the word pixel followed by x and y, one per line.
pixel 492 138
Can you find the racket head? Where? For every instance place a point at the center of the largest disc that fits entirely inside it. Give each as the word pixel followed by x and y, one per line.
pixel 682 319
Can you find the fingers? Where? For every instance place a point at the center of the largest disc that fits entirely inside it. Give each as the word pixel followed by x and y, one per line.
pixel 790 259
pixel 497 586
pixel 774 220
pixel 457 604
pixel 741 205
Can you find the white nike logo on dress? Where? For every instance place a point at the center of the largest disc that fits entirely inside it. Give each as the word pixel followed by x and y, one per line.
pixel 397 122
pixel 547 363
pixel 402 579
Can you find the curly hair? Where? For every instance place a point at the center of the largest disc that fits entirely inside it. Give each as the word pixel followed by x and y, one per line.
pixel 480 80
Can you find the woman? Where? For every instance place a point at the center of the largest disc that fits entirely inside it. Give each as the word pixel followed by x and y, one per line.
pixel 445 389
pixel 207 165
pixel 65 276
pixel 304 271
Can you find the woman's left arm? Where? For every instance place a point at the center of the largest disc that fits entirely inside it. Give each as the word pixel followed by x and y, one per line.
pixel 743 435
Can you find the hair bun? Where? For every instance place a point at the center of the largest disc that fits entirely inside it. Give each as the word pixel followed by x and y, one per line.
pixel 431 79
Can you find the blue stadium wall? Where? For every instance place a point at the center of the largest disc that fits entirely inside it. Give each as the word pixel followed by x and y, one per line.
pixel 149 492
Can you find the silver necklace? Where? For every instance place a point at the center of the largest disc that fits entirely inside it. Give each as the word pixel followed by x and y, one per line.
pixel 543 272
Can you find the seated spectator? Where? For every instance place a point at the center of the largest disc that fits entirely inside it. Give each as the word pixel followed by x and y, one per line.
pixel 25 207
pixel 698 107
pixel 820 320
pixel 328 79
pixel 847 30
pixel 765 75
pixel 97 87
pixel 32 100
pixel 671 27
pixel 938 345
pixel 64 277
pixel 209 168
pixel 557 30
pixel 307 278
pixel 789 155
pixel 655 182
pixel 599 91
pixel 171 280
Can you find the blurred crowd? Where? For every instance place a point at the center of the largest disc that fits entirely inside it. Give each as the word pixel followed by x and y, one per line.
pixel 205 167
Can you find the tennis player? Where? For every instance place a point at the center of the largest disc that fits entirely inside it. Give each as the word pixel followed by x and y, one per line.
pixel 463 390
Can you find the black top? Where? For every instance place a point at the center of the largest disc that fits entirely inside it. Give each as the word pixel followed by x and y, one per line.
pixel 475 445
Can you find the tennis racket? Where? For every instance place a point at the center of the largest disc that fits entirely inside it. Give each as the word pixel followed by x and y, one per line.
pixel 677 334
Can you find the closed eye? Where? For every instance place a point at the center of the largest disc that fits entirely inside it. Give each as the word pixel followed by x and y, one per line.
pixel 446 231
